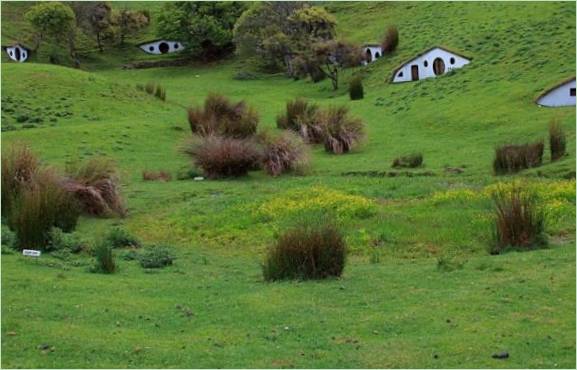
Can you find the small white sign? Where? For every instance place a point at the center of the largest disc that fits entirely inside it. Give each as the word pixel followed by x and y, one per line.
pixel 31 253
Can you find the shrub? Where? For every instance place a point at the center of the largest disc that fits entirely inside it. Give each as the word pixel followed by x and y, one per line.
pixel 513 158
pixel 223 157
pixel 96 186
pixel 59 240
pixel 8 237
pixel 19 165
pixel 519 223
pixel 155 257
pixel 149 88
pixel 302 117
pixel 409 161
pixel 153 176
pixel 104 259
pixel 341 132
pixel 310 250
pixel 283 153
pixel 120 238
pixel 160 92
pixel 356 91
pixel 391 40
pixel 557 141
pixel 220 116
pixel 42 204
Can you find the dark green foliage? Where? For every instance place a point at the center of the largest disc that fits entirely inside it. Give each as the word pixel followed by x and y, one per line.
pixel 156 256
pixel 449 263
pixel 519 221
pixel 149 88
pixel 311 250
pixel 513 158
pixel 391 40
pixel 356 91
pixel 60 240
pixel 104 262
pixel 121 238
pixel 160 92
pixel 341 132
pixel 409 161
pixel 8 236
pixel 557 141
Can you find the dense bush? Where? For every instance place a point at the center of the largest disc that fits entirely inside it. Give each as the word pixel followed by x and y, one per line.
pixel 59 240
pixel 302 117
pixel 96 185
pixel 283 153
pixel 120 238
pixel 219 116
pixel 104 262
pixel 8 237
pixel 155 257
pixel 391 40
pixel 19 165
pixel 156 175
pixel 557 141
pixel 310 250
pixel 341 131
pixel 519 222
pixel 220 157
pixel 42 204
pixel 513 158
pixel 409 161
pixel 356 91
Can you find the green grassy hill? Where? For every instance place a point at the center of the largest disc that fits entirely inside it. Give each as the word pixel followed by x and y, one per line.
pixel 393 307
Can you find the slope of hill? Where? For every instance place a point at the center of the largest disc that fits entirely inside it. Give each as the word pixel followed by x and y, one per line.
pixel 395 306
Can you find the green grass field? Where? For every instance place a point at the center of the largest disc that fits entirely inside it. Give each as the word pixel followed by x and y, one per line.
pixel 393 307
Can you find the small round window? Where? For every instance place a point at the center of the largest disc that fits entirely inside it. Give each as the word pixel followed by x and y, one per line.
pixel 452 60
pixel 11 54
pixel 400 74
pixel 176 46
pixel 425 63
pixel 151 48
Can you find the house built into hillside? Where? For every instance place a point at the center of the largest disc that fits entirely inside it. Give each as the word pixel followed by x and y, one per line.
pixel 17 52
pixel 433 62
pixel 161 46
pixel 372 52
pixel 560 95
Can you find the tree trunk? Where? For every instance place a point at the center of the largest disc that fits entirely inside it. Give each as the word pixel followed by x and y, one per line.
pixel 99 42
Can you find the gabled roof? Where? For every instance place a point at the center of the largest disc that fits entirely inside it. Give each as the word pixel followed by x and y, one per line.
pixel 425 52
pixel 567 80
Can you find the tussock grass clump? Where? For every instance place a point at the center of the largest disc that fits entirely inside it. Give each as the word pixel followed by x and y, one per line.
pixel 96 185
pixel 341 131
pixel 302 117
pixel 391 40
pixel 519 221
pixel 409 161
pixel 557 141
pixel 220 157
pixel 156 256
pixel 514 158
pixel 156 176
pixel 160 92
pixel 283 153
pixel 120 238
pixel 356 91
pixel 219 116
pixel 149 88
pixel 19 165
pixel 311 250
pixel 104 262
pixel 41 205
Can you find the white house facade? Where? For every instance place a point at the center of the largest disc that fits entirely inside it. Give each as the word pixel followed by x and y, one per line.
pixel 431 63
pixel 161 47
pixel 372 52
pixel 561 95
pixel 17 52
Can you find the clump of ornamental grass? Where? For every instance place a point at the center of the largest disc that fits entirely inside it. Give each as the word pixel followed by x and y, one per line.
pixel 156 176
pixel 390 40
pixel 220 116
pixel 312 249
pixel 19 165
pixel 356 90
pixel 519 221
pixel 302 117
pixel 283 153
pixel 221 157
pixel 514 158
pixel 96 185
pixel 104 262
pixel 557 140
pixel 341 132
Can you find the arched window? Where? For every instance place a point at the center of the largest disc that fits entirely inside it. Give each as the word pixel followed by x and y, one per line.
pixel 163 47
pixel 151 48
pixel 369 56
pixel 400 74
pixel 377 55
pixel 452 60
pixel 438 66
pixel 426 63
pixel 176 46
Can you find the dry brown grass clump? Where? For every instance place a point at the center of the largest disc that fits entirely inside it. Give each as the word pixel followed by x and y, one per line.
pixel 19 165
pixel 341 131
pixel 514 158
pixel 391 40
pixel 302 117
pixel 283 153
pixel 156 176
pixel 557 141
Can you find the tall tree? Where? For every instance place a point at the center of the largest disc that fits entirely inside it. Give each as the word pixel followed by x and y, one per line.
pixel 204 26
pixel 53 20
pixel 129 22
pixel 95 18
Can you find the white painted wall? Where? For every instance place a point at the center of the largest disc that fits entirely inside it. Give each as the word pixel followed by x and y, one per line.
pixel 404 73
pixel 12 53
pixel 374 50
pixel 559 97
pixel 154 47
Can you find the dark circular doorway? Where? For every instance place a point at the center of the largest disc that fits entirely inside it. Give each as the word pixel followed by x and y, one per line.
pixel 163 47
pixel 438 66
pixel 17 50
pixel 369 56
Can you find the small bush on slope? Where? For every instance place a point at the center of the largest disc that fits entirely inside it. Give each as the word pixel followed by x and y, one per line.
pixel 219 116
pixel 120 238
pixel 341 131
pixel 557 141
pixel 283 153
pixel 104 262
pixel 409 161
pixel 356 91
pixel 313 249
pixel 302 117
pixel 155 256
pixel 220 157
pixel 513 158
pixel 19 165
pixel 391 40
